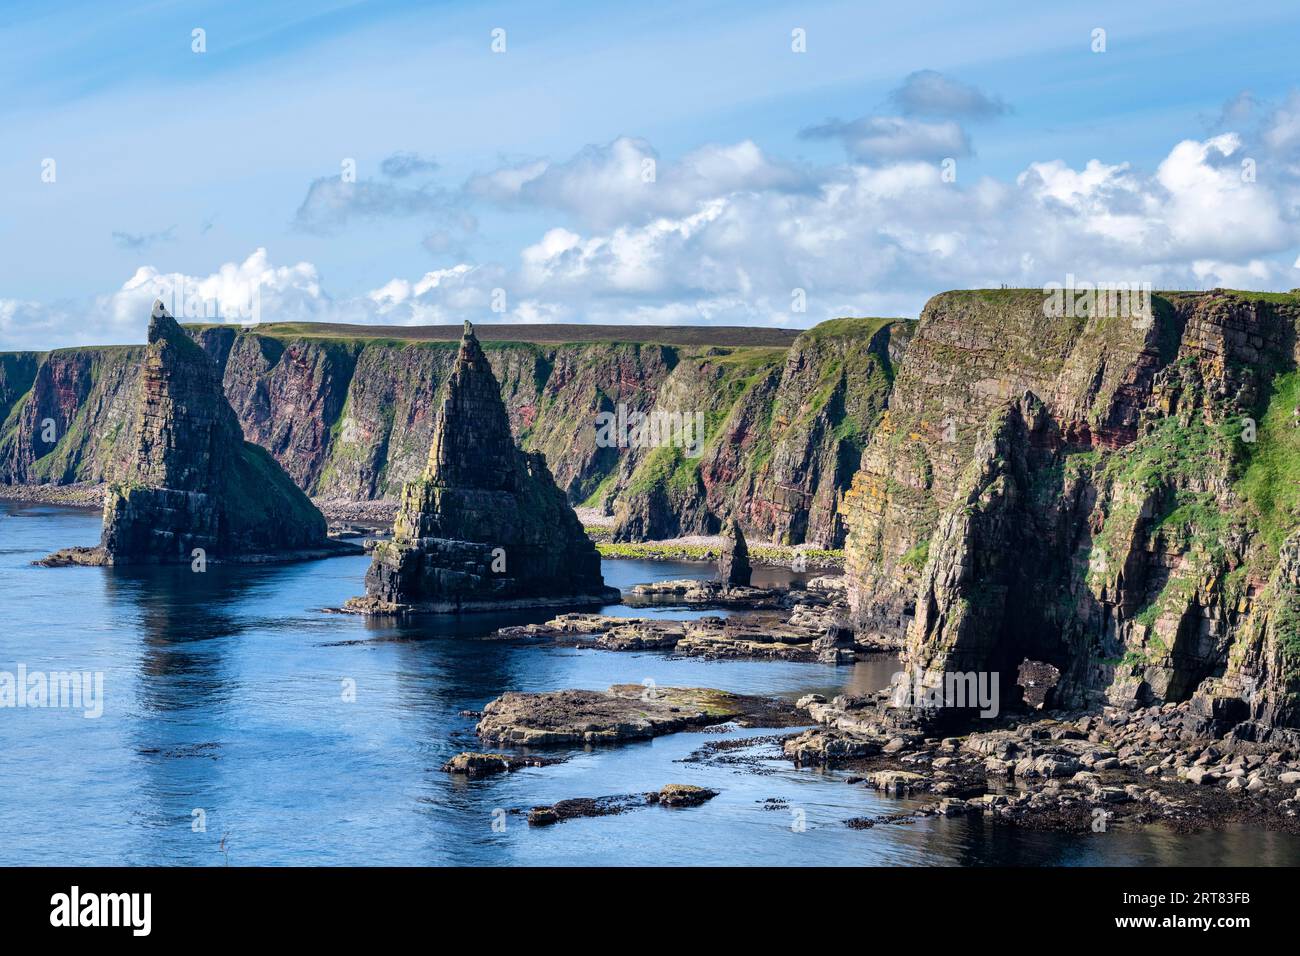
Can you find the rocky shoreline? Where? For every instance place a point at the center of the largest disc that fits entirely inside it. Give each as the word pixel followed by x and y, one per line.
pixel 1074 771
pixel 95 557
pixel 82 495
pixel 705 548
pixel 1078 771
pixel 1081 773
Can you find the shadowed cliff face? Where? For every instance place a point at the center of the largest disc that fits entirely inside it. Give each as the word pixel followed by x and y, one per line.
pixel 1127 515
pixel 351 419
pixel 972 353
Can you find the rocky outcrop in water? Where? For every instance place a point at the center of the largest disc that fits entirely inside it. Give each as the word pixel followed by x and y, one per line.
pixel 733 565
pixel 485 525
pixel 622 713
pixel 193 486
pixel 478 765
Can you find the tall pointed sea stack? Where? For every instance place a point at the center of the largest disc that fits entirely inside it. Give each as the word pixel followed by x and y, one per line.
pixel 485 525
pixel 193 482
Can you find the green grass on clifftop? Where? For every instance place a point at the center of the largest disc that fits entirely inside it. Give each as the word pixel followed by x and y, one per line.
pixel 1271 480
pixel 549 334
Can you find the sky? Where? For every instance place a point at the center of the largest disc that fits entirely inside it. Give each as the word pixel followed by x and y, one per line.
pixel 746 164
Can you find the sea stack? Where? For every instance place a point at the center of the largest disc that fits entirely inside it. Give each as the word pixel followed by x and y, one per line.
pixel 733 564
pixel 194 488
pixel 485 526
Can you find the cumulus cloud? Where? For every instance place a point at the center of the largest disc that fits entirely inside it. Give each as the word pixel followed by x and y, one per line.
pixel 892 138
pixel 930 93
pixel 232 293
pixel 626 180
pixel 727 234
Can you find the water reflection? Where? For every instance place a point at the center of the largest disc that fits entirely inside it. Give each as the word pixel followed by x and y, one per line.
pixel 227 691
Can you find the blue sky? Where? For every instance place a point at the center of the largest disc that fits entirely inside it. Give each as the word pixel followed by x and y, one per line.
pixel 775 170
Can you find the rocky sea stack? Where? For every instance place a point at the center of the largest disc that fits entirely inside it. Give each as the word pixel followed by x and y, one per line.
pixel 193 482
pixel 485 525
pixel 733 563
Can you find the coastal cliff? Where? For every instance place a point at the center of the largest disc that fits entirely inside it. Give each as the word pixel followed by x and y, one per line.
pixel 1112 499
pixel 1115 500
pixel 347 412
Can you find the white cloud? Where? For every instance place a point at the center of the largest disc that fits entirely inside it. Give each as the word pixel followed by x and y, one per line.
pixel 726 233
pixel 626 181
pixel 289 293
pixel 1211 208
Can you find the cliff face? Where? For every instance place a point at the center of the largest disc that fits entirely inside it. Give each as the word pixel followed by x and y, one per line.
pixel 81 398
pixel 971 354
pixel 831 396
pixel 782 435
pixel 1117 498
pixel 191 480
pixel 350 418
pixel 1128 515
pixel 485 524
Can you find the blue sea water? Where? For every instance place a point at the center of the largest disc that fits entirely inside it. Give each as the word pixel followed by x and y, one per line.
pixel 226 693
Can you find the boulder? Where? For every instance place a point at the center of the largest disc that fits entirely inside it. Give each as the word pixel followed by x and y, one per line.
pixel 682 795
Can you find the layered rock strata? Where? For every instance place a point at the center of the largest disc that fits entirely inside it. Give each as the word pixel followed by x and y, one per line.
pixel 348 412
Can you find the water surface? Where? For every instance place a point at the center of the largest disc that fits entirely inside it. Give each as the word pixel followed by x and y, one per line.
pixel 227 692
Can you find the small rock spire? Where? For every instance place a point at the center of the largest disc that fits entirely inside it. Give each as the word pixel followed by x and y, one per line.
pixel 161 323
pixel 733 565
